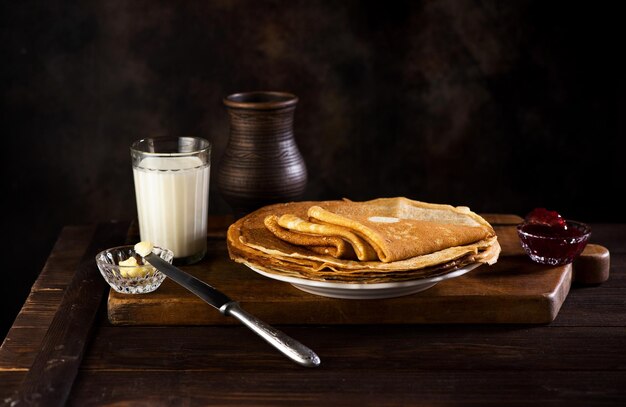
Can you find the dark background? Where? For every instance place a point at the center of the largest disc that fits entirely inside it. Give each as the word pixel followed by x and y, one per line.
pixel 501 106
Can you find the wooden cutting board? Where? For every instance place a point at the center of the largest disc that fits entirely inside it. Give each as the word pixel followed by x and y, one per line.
pixel 515 290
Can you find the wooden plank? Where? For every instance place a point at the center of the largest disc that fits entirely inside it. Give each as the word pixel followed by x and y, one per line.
pixel 22 342
pixel 597 305
pixel 337 386
pixel 44 298
pixel 50 378
pixel 396 347
pixel 64 257
pixel 515 290
pixel 21 347
pixel 592 315
pixel 9 380
pixel 38 310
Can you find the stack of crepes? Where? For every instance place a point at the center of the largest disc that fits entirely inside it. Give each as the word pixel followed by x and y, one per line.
pixel 383 240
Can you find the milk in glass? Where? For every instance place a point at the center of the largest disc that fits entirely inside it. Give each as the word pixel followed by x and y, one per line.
pixel 172 203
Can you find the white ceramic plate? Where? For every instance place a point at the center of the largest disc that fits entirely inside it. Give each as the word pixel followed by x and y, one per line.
pixel 365 291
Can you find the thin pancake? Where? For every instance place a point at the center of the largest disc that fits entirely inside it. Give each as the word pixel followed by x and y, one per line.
pixel 323 244
pixel 395 238
pixel 250 241
pixel 306 230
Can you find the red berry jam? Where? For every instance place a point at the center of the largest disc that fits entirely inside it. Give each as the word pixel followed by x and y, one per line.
pixel 549 239
pixel 542 216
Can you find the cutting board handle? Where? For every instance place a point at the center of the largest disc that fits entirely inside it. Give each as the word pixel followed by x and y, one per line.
pixel 592 266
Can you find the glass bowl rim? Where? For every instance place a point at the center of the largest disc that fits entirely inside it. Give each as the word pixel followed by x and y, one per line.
pixel 585 233
pixel 126 246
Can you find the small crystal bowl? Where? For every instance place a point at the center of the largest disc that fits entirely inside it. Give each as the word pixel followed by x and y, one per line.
pixel 139 279
pixel 545 246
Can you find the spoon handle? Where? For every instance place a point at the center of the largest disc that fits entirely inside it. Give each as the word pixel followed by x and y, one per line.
pixel 291 348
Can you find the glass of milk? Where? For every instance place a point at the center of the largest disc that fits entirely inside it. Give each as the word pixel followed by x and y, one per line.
pixel 172 188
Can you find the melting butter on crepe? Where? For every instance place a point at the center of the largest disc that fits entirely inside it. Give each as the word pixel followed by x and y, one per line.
pixel 387 239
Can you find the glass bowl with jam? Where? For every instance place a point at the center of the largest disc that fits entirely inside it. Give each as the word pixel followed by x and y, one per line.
pixel 549 239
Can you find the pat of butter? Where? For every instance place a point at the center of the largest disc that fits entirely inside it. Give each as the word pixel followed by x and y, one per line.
pixel 144 248
pixel 383 219
pixel 130 268
pixel 129 262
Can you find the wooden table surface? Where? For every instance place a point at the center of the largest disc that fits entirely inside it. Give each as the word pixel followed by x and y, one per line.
pixel 62 350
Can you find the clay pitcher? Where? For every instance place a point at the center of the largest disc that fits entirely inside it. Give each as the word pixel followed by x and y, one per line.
pixel 262 164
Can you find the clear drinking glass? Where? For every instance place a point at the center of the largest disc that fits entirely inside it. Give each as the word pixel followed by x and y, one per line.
pixel 172 189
